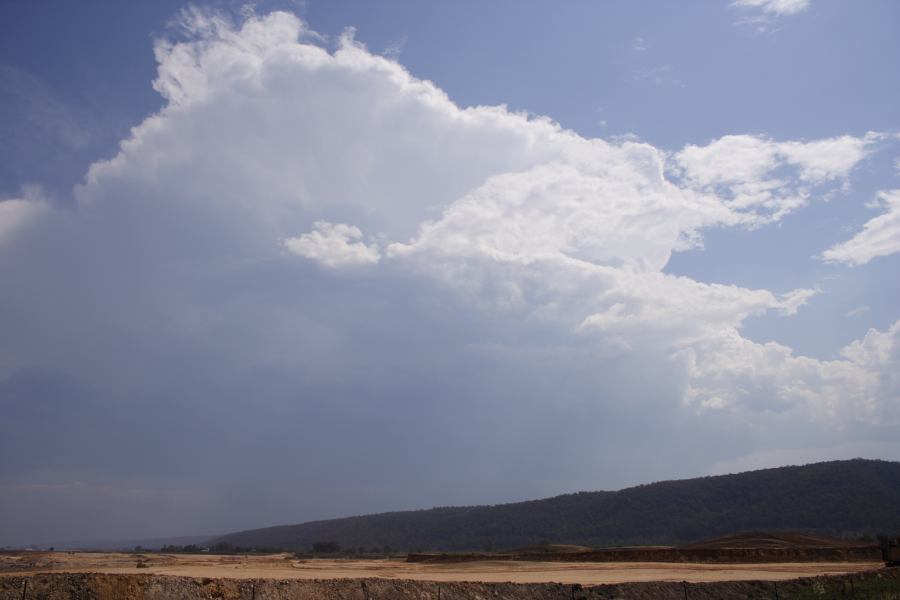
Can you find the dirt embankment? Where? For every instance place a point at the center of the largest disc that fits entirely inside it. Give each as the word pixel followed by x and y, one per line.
pixel 96 586
pixel 285 566
pixel 677 555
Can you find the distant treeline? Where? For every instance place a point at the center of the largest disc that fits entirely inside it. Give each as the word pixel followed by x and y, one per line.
pixel 327 548
pixel 842 498
pixel 337 549
pixel 216 548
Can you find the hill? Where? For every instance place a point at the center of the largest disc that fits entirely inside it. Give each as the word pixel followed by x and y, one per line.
pixel 840 498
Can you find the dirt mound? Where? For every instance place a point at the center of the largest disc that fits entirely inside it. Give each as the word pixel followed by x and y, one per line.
pixel 766 540
pixel 553 548
pixel 26 561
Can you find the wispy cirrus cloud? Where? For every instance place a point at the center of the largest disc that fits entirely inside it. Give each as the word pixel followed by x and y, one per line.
pixel 859 310
pixel 659 75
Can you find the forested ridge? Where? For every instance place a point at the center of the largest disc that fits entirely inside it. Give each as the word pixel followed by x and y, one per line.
pixel 850 498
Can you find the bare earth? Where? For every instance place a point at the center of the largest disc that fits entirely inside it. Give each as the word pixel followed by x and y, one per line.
pixel 286 566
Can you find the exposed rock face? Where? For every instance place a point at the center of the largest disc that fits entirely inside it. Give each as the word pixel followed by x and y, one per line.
pixel 96 586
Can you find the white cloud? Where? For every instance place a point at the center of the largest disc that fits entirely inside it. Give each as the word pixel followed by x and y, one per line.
pixel 763 14
pixel 748 159
pixel 334 245
pixel 728 371
pixel 775 7
pixel 748 171
pixel 879 237
pixel 859 310
pixel 511 213
pixel 829 159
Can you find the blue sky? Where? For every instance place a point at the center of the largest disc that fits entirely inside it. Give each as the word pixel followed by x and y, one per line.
pixel 287 261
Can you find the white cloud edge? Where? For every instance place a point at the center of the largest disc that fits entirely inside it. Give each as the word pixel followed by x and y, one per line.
pixel 880 236
pixel 763 15
pixel 741 169
pixel 18 213
pixel 778 8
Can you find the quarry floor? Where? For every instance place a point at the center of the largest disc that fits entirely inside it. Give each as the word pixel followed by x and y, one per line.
pixel 286 566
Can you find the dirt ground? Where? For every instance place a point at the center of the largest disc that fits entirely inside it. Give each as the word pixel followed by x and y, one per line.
pixel 286 566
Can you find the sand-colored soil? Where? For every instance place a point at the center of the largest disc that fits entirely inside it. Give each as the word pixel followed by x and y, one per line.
pixel 286 566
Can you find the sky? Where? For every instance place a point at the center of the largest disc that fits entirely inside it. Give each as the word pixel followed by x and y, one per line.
pixel 274 262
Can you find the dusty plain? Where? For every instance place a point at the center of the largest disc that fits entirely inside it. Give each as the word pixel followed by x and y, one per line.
pixel 287 566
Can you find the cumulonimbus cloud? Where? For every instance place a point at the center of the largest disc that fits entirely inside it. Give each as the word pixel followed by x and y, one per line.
pixel 271 136
pixel 556 243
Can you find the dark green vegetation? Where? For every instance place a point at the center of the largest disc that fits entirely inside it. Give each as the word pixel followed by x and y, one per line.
pixel 217 548
pixel 742 548
pixel 882 585
pixel 842 498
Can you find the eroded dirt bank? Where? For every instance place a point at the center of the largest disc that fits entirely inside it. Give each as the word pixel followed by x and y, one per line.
pixel 287 566
pixel 98 586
